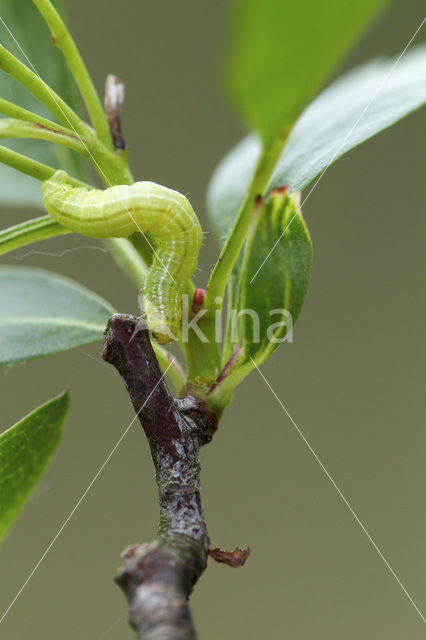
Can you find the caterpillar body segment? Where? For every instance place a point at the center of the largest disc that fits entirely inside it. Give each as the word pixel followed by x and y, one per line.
pixel 122 210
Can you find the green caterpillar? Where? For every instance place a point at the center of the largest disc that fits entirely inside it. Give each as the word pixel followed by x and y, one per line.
pixel 146 207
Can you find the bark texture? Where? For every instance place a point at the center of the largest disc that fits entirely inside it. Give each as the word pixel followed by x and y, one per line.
pixel 157 578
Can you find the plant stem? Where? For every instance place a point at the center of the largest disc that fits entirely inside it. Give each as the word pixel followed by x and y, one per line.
pixel 112 167
pixel 13 111
pixel 35 85
pixel 128 258
pixel 169 364
pixel 25 233
pixel 143 245
pixel 236 238
pixel 203 357
pixel 224 392
pixel 62 38
pixel 157 578
pixel 33 167
pixel 12 128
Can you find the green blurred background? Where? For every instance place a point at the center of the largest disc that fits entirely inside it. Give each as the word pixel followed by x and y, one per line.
pixel 351 380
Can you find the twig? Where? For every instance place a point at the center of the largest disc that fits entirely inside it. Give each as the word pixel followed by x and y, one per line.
pixel 157 578
pixel 114 98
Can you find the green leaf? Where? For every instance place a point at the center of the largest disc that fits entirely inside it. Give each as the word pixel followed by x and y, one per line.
pixel 273 285
pixel 25 450
pixel 42 313
pixel 282 52
pixel 356 107
pixel 37 50
pixel 268 290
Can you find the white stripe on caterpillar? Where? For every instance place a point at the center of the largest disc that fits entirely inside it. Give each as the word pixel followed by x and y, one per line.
pixel 122 210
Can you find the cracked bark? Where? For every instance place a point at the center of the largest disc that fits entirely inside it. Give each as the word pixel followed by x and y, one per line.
pixel 157 578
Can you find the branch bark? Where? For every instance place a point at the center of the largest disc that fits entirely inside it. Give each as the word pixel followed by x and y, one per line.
pixel 157 578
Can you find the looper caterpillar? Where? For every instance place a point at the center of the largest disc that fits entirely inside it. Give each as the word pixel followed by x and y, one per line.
pixel 122 210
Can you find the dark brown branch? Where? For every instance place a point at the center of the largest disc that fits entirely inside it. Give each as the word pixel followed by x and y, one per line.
pixel 114 98
pixel 158 577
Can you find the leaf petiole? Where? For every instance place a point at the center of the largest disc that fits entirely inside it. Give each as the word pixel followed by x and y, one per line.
pixel 40 90
pixel 14 111
pixel 13 128
pixel 228 256
pixel 33 168
pixel 222 270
